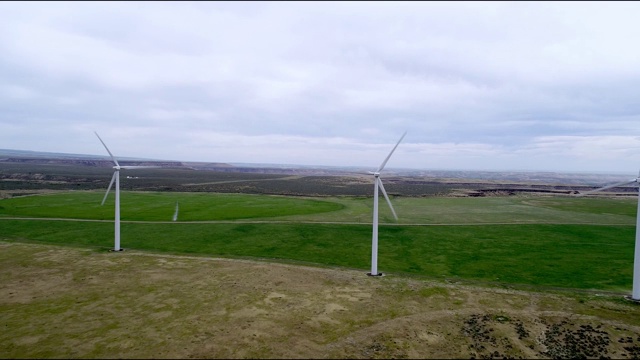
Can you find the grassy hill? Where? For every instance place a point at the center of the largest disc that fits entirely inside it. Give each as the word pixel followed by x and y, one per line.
pixel 65 302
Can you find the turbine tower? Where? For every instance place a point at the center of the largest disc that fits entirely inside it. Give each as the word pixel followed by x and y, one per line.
pixel 377 183
pixel 116 178
pixel 635 292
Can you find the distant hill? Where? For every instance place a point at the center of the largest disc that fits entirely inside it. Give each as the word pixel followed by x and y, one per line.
pixel 43 158
pixel 8 153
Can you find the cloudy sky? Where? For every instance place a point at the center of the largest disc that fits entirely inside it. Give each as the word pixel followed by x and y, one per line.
pixel 477 86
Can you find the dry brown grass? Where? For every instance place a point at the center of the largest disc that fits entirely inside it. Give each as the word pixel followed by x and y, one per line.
pixel 59 302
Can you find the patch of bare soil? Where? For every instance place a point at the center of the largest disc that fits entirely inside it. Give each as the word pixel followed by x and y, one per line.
pixel 75 303
pixel 6 194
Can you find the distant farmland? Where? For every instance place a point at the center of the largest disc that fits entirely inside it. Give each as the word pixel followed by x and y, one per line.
pixel 20 177
pixel 574 242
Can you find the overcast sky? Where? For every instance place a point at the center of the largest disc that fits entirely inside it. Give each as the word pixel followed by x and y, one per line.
pixel 477 86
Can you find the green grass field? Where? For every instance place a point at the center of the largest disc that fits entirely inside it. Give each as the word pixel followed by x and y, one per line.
pixel 160 206
pixel 556 241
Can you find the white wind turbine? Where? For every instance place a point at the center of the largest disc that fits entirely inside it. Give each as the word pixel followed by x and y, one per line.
pixel 377 183
pixel 175 214
pixel 116 178
pixel 635 292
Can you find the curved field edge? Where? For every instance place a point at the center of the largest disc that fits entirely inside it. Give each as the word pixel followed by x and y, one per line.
pixel 160 206
pixel 66 302
pixel 567 256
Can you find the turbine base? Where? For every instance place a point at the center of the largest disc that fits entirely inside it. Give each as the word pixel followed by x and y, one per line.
pixel 114 250
pixel 378 274
pixel 630 298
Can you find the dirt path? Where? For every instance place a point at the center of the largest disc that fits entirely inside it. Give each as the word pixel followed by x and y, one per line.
pixel 78 303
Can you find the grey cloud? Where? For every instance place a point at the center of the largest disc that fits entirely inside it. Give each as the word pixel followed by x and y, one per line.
pixel 464 79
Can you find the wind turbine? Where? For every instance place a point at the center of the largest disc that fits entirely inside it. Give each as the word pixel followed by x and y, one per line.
pixel 175 214
pixel 635 292
pixel 116 178
pixel 377 183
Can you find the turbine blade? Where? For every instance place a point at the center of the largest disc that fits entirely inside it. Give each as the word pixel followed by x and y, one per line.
pixel 113 179
pixel 105 146
pixel 175 215
pixel 387 198
pixel 392 150
pixel 610 186
pixel 139 167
